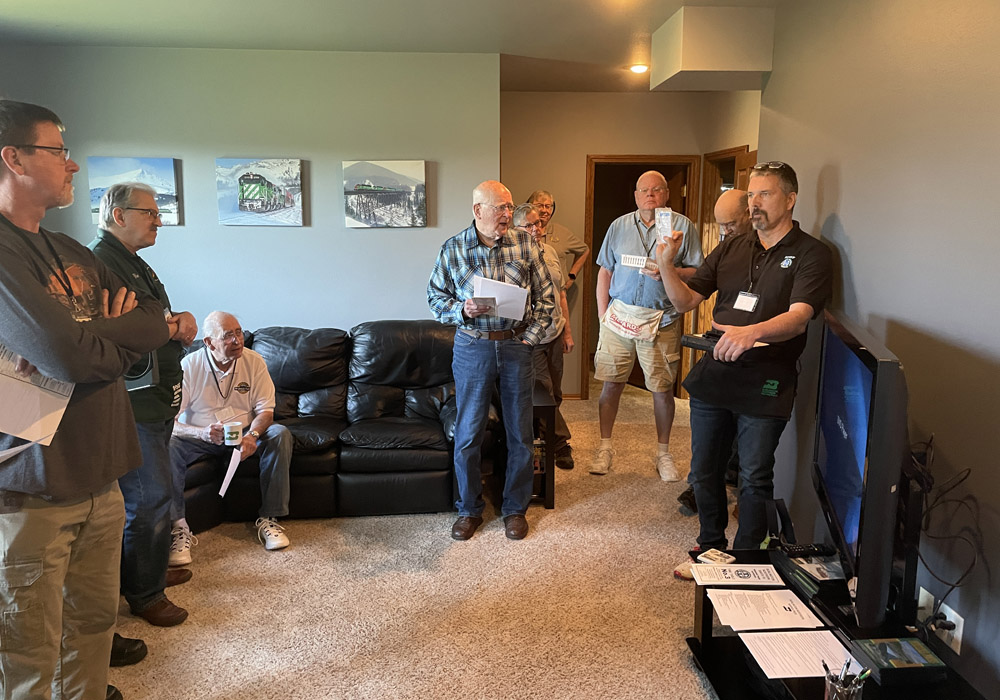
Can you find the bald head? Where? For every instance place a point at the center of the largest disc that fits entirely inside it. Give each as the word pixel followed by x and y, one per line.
pixel 223 337
pixel 732 213
pixel 492 205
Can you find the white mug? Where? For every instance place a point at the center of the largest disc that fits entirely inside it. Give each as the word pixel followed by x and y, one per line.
pixel 234 433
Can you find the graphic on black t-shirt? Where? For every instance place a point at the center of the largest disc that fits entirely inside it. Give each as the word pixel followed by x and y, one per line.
pixel 85 304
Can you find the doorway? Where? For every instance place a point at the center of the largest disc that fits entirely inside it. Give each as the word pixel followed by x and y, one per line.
pixel 610 193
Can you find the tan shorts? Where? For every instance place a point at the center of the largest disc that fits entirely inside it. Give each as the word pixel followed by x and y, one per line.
pixel 659 359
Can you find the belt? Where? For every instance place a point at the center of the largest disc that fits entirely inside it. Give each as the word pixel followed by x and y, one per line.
pixel 494 335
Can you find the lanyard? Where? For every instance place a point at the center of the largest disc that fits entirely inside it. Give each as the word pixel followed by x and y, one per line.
pixel 60 273
pixel 232 376
pixel 641 241
pixel 753 256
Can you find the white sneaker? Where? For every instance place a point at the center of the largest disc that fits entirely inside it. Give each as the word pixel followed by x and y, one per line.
pixel 181 541
pixel 683 570
pixel 271 534
pixel 602 461
pixel 666 468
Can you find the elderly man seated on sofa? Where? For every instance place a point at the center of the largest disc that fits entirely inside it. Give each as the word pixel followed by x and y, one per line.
pixel 225 383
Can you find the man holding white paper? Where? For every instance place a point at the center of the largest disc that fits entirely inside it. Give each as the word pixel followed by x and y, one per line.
pixel 489 347
pixel 637 318
pixel 226 384
pixel 66 315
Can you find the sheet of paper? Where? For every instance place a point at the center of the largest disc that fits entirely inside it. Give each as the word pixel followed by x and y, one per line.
pixel 761 610
pixel 234 462
pixel 797 654
pixel 736 575
pixel 511 299
pixel 7 454
pixel 30 407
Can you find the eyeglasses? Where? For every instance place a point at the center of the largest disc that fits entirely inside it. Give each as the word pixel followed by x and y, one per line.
pixel 498 207
pixel 151 213
pixel 53 149
pixel 231 336
pixel 546 207
pixel 655 190
pixel 533 224
pixel 771 165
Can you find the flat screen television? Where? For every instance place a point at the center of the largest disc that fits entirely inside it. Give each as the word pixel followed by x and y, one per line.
pixel 861 444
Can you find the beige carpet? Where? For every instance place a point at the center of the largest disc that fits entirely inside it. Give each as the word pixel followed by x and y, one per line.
pixel 392 607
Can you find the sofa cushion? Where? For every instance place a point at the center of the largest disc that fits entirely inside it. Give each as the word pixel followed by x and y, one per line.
pixel 300 360
pixel 365 401
pixel 327 402
pixel 313 434
pixel 358 460
pixel 395 432
pixel 428 402
pixel 405 354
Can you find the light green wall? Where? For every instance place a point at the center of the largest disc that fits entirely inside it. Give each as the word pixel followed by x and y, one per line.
pixel 888 110
pixel 322 107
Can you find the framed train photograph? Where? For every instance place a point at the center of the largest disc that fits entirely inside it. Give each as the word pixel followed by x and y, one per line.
pixel 385 194
pixel 158 173
pixel 259 191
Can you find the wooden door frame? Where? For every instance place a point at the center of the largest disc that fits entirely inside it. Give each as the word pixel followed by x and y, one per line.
pixel 693 164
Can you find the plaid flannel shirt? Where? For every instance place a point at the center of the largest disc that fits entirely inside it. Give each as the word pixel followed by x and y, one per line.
pixel 514 259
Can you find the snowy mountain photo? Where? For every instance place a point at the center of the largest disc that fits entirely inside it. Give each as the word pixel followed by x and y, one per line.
pixel 158 173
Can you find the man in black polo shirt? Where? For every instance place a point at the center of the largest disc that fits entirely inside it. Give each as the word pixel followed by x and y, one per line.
pixel 770 284
pixel 129 219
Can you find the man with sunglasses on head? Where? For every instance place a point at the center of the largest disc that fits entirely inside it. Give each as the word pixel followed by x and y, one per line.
pixel 638 320
pixel 225 382
pixel 129 217
pixel 770 284
pixel 491 351
pixel 63 316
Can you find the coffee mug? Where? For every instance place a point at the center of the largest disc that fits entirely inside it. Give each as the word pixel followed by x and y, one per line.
pixel 234 433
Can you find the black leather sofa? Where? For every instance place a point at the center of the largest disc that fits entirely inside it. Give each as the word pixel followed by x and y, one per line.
pixel 372 413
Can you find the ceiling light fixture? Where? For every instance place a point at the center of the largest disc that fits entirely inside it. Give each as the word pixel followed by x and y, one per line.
pixel 639 68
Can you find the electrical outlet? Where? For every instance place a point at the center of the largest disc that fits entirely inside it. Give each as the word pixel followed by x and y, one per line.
pixel 952 638
pixel 925 604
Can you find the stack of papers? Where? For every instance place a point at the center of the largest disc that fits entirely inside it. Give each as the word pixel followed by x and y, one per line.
pixel 762 610
pixel 798 654
pixel 736 575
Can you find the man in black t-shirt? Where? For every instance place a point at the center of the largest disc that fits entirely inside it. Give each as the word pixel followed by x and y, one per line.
pixel 770 284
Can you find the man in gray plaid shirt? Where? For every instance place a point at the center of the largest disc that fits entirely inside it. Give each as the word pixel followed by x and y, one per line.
pixel 490 348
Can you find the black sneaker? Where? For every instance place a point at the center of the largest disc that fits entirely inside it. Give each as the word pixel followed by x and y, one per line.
pixel 564 457
pixel 686 499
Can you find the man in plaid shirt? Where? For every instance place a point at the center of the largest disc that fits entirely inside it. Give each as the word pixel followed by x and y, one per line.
pixel 489 347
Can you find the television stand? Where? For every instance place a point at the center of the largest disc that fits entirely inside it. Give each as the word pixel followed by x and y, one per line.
pixel 735 675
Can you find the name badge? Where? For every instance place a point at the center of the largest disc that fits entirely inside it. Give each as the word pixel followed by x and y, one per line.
pixel 225 414
pixel 746 301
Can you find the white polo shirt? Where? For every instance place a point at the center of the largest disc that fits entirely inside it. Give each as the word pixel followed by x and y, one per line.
pixel 246 386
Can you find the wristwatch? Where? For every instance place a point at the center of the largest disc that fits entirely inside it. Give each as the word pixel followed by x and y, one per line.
pixel 256 435
pixel 572 276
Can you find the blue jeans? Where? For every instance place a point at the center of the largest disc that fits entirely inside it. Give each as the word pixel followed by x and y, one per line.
pixel 275 452
pixel 477 364
pixel 146 542
pixel 712 432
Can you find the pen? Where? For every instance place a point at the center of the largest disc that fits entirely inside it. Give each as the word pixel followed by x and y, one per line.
pixel 826 668
pixel 843 671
